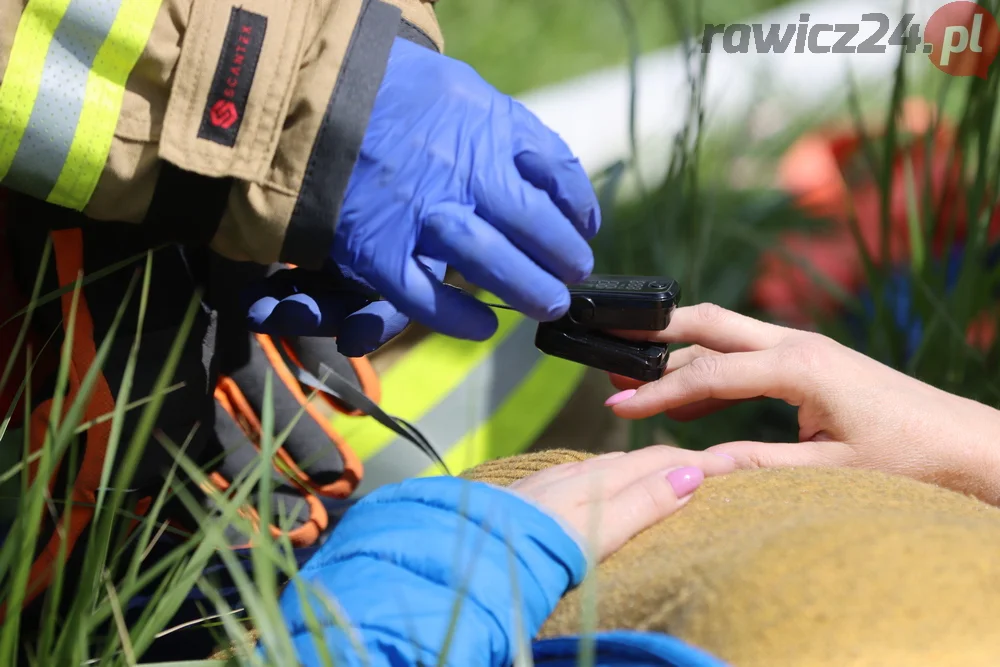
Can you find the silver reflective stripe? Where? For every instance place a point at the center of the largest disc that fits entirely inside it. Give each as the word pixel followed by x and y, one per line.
pixel 47 139
pixel 461 412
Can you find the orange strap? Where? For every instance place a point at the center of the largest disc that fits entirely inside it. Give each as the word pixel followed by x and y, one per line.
pixel 306 534
pixel 68 247
pixel 353 468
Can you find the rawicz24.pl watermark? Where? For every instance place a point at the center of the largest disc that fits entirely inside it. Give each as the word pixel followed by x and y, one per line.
pixel 960 38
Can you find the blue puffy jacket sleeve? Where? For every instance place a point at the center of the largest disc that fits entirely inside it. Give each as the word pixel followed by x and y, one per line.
pixel 411 559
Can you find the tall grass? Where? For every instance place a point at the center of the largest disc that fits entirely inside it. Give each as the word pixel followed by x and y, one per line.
pixel 700 227
pixel 951 290
pixel 82 620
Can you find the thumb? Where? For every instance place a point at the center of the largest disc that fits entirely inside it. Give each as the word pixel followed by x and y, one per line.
pixel 750 455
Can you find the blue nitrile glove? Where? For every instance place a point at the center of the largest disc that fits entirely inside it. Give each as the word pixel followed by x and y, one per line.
pixel 453 170
pixel 343 305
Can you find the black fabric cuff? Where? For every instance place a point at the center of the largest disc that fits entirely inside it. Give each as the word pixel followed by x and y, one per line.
pixel 186 207
pixel 310 231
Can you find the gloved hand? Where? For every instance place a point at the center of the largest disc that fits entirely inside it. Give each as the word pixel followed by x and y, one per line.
pixel 295 301
pixel 452 170
pixel 314 460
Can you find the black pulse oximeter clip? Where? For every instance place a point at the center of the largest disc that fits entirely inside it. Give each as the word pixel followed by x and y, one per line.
pixel 613 302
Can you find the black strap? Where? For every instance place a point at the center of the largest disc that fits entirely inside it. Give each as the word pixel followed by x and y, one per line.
pixel 340 388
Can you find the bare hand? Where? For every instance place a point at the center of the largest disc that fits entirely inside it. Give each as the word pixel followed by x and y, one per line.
pixel 853 410
pixel 613 497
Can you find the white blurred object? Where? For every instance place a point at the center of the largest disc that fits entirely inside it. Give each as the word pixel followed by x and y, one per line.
pixel 592 112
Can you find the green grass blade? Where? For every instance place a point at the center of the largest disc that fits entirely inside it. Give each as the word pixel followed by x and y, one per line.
pixel 125 389
pixel 33 303
pixel 53 447
pixel 87 280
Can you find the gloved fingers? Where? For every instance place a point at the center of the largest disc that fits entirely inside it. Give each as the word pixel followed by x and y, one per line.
pixel 321 357
pixel 545 161
pixel 527 216
pixel 369 328
pixel 313 452
pixel 419 294
pixel 485 257
pixel 300 302
pixel 291 505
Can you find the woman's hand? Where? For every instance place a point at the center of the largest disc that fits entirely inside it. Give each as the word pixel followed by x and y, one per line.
pixel 613 497
pixel 853 411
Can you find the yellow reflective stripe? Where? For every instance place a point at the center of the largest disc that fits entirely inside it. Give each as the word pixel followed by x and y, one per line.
pixel 428 373
pixel 103 102
pixel 23 75
pixel 522 418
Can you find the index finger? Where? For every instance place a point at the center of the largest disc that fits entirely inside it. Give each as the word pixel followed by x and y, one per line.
pixel 716 328
pixel 729 377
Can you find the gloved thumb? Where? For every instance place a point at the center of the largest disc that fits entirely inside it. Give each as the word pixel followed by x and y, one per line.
pixel 750 455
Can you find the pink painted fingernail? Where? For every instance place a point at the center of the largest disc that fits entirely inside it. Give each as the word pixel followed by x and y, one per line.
pixel 685 480
pixel 619 397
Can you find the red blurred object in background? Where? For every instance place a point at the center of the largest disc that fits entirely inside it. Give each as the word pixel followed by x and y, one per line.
pixel 828 178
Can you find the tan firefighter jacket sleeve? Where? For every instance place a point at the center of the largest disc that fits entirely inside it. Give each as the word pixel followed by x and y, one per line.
pixel 234 122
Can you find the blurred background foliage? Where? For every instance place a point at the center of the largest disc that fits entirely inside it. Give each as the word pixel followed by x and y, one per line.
pixel 718 209
pixel 518 45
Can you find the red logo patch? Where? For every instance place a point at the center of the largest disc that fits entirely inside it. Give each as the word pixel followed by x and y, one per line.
pixel 223 114
pixel 226 102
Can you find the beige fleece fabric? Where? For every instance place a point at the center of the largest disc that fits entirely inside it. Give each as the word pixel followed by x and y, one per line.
pixel 803 567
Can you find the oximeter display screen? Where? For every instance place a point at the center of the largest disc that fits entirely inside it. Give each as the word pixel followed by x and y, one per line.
pixel 624 284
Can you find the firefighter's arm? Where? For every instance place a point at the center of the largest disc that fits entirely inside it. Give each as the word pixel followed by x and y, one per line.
pixel 234 123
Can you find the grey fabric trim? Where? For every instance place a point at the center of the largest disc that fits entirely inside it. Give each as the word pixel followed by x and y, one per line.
pixel 460 412
pixel 309 237
pixel 412 33
pixel 54 117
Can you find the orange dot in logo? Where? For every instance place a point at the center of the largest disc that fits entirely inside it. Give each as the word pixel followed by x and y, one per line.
pixel 962 39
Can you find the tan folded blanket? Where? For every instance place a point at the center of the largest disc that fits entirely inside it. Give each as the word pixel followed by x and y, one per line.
pixel 804 567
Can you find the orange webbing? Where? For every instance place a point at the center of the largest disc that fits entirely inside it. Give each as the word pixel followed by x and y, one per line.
pixel 68 247
pixel 353 469
pixel 306 534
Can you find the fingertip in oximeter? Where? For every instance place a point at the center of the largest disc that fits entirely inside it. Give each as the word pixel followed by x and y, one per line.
pixel 604 302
